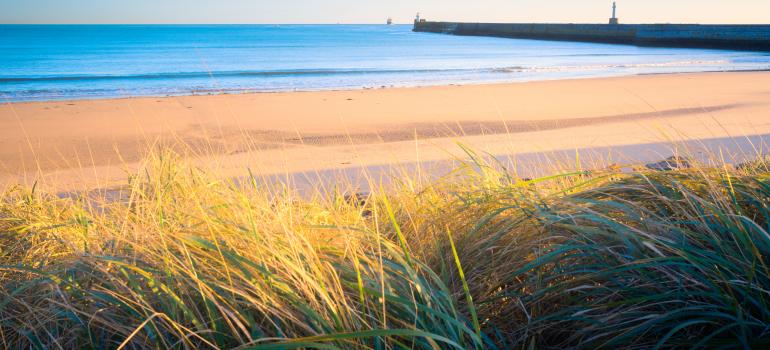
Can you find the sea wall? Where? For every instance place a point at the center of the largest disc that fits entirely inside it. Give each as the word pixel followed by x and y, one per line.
pixel 745 37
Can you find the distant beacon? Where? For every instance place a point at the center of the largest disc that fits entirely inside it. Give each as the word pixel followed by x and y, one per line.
pixel 614 19
pixel 417 18
pixel 390 21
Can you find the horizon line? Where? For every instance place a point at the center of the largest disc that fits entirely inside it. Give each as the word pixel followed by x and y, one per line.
pixel 355 23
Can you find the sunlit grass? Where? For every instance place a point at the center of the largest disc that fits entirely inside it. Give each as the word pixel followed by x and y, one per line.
pixel 480 259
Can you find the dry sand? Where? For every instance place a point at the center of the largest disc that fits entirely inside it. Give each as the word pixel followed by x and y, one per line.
pixel 71 145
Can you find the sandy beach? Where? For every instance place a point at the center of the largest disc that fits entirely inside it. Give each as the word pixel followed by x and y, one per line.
pixel 77 144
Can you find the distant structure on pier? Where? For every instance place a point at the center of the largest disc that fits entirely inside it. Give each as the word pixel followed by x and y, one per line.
pixel 417 19
pixel 390 21
pixel 614 19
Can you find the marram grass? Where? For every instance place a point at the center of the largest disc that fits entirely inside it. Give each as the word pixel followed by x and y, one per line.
pixel 184 260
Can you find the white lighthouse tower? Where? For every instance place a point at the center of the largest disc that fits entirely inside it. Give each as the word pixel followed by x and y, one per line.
pixel 614 19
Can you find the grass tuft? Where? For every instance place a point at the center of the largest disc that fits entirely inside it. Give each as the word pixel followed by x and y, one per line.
pixel 185 260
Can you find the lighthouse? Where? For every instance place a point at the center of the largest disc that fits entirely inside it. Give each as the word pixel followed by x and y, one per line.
pixel 614 19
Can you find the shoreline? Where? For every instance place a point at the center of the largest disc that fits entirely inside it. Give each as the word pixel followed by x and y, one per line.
pixel 77 144
pixel 495 82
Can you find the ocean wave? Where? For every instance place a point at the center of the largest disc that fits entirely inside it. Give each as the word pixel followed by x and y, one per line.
pixel 567 68
pixel 514 69
pixel 343 71
pixel 222 74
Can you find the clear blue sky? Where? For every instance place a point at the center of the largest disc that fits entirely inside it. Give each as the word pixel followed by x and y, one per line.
pixel 376 11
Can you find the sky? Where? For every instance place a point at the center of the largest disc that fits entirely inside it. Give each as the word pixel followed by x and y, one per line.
pixel 376 11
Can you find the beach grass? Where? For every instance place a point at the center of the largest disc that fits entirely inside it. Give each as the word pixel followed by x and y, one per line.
pixel 180 258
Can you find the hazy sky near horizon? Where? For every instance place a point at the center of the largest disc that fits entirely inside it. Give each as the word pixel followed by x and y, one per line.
pixel 369 11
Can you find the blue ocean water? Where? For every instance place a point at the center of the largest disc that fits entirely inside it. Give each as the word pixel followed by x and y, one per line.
pixel 95 61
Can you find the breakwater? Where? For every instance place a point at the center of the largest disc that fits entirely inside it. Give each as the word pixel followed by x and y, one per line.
pixel 741 37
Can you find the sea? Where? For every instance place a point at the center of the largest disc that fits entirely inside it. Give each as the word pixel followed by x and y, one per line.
pixel 62 62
